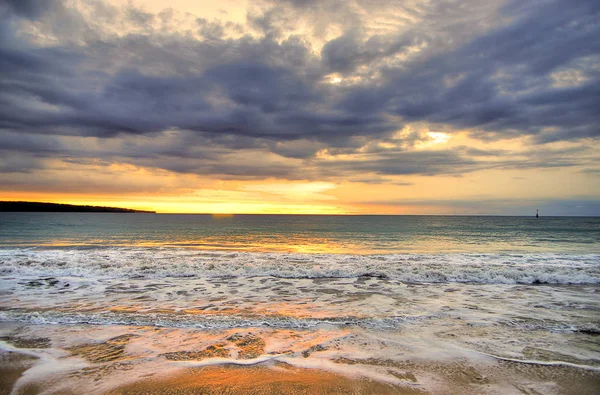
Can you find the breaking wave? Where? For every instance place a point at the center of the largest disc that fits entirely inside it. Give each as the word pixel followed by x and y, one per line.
pixel 534 268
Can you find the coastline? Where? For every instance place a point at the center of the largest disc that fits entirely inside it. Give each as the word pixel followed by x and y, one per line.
pixel 508 309
pixel 63 359
pixel 42 207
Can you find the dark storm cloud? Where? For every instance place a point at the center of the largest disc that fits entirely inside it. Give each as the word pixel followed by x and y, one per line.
pixel 503 78
pixel 407 163
pixel 455 162
pixel 272 92
pixel 31 9
pixel 42 145
pixel 348 52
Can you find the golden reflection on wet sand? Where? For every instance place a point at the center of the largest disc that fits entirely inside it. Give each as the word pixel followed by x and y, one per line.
pixel 300 310
pixel 279 379
pixel 148 360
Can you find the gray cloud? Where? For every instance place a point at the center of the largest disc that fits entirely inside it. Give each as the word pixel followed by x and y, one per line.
pixel 270 94
pixel 407 163
pixel 31 9
pixel 503 82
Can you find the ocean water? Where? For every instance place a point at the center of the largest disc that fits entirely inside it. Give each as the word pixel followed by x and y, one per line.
pixel 355 295
pixel 305 233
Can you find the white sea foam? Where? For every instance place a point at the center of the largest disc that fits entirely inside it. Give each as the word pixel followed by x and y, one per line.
pixel 203 322
pixel 548 268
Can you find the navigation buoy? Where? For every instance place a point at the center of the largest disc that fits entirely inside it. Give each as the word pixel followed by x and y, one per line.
pixel 537 213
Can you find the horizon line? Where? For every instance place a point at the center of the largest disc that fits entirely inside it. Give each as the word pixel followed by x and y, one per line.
pixel 147 211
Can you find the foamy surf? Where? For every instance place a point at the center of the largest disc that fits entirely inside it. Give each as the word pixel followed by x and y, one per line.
pixel 533 268
pixel 123 318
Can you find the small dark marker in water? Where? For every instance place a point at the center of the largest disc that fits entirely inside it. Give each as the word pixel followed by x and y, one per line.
pixel 537 213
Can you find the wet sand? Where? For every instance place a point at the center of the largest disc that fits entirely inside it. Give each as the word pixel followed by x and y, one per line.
pixel 12 366
pixel 132 361
pixel 278 379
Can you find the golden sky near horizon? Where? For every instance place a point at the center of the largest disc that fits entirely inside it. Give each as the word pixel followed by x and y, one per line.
pixel 322 107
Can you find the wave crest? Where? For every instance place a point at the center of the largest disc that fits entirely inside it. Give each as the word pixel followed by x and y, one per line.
pixel 414 268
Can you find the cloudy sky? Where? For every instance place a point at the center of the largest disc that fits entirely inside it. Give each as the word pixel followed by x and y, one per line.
pixel 303 106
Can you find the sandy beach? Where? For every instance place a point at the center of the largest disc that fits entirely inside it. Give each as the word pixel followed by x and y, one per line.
pixel 144 319
pixel 143 360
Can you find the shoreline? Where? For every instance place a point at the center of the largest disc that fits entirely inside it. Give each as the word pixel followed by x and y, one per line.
pixel 140 360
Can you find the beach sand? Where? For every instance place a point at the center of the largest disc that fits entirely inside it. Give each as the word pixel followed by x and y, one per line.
pixel 128 362
pixel 12 366
pixel 278 379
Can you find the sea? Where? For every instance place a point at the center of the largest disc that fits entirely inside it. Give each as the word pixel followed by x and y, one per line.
pixel 432 304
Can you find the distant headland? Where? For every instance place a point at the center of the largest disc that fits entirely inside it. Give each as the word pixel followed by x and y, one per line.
pixel 6 206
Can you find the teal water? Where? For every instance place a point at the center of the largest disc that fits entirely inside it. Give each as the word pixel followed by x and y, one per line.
pixel 482 293
pixel 299 233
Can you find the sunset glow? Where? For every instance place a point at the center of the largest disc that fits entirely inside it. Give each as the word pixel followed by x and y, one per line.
pixel 299 107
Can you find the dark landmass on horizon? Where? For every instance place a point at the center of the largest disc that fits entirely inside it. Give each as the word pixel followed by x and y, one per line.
pixel 7 206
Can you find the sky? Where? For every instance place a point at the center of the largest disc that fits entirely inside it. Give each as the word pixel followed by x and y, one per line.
pixel 303 106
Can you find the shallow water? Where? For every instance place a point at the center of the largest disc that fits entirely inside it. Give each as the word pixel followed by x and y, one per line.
pixel 440 304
